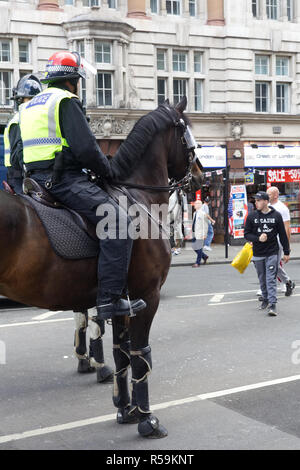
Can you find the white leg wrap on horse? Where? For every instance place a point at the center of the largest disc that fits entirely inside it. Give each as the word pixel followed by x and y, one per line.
pixel 95 330
pixel 96 344
pixel 80 334
pixel 121 397
pixel 141 364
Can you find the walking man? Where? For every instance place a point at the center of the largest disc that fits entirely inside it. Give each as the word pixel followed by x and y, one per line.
pixel 262 227
pixel 282 275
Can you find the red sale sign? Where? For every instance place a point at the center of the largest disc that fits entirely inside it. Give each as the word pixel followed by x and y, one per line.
pixel 283 176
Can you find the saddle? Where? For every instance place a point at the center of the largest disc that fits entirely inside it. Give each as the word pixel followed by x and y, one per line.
pixel 39 194
pixel 70 235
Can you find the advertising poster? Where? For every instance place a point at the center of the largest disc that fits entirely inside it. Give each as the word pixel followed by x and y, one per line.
pixel 238 197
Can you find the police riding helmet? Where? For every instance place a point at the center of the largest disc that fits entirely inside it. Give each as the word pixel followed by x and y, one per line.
pixel 27 87
pixel 63 65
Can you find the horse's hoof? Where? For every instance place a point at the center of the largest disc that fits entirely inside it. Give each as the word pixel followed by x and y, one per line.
pixel 84 366
pixel 151 429
pixel 125 417
pixel 105 374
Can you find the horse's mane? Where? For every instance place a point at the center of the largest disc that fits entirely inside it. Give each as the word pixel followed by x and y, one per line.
pixel 133 148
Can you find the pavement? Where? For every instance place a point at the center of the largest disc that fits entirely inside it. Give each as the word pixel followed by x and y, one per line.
pixel 187 256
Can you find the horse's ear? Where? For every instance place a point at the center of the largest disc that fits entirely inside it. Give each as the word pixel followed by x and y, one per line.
pixel 180 107
pixel 167 102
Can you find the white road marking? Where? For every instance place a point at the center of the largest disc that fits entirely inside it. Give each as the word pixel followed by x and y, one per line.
pixel 25 323
pixel 215 293
pixel 159 406
pixel 217 298
pixel 248 300
pixel 45 315
pixel 221 293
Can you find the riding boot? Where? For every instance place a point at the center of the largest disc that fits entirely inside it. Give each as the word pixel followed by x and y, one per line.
pixel 110 306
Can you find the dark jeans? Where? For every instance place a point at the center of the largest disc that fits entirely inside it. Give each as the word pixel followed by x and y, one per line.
pixel 15 183
pixel 200 256
pixel 75 191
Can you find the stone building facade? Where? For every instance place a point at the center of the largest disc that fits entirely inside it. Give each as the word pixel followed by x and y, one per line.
pixel 238 62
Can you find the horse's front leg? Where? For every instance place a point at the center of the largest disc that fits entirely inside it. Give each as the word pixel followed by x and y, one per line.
pixel 121 352
pixel 141 365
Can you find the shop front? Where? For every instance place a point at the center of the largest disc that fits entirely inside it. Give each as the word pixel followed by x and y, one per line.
pixel 276 165
pixel 213 158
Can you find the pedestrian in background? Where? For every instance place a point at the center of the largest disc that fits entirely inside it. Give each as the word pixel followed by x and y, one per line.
pixel 199 229
pixel 262 227
pixel 175 215
pixel 211 222
pixel 282 276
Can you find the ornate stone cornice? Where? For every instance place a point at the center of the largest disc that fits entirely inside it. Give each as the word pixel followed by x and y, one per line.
pixel 110 126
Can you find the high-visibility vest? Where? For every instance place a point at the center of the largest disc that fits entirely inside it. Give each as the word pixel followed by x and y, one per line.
pixel 39 124
pixel 14 120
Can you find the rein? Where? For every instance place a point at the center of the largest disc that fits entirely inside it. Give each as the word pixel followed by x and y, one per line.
pixel 181 184
pixel 185 182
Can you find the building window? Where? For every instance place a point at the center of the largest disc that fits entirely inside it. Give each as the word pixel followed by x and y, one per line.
pixel 198 95
pixel 154 6
pixel 261 97
pixel 173 7
pixel 90 3
pixel 83 91
pixel 80 48
pixel 22 73
pixel 179 89
pixel 179 61
pixel 282 66
pixel 272 9
pixel 255 8
pixel 5 54
pixel 103 52
pixel 104 89
pixel 290 12
pixel 161 60
pixel 282 97
pixel 112 3
pixel 5 88
pixel 161 90
pixel 198 62
pixel 262 65
pixel 192 7
pixel 69 2
pixel 24 51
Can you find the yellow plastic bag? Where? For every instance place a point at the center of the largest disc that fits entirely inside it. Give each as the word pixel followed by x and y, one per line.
pixel 243 258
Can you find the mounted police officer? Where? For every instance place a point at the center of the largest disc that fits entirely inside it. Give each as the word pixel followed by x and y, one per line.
pixel 27 87
pixel 55 133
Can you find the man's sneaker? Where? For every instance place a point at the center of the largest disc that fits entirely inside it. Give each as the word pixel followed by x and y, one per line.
pixel 272 310
pixel 115 307
pixel 290 286
pixel 207 248
pixel 263 305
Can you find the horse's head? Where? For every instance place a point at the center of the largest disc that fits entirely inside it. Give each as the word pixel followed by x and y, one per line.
pixel 182 160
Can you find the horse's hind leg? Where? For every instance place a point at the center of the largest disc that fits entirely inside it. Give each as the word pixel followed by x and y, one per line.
pixel 94 361
pixel 97 330
pixel 141 365
pixel 81 323
pixel 121 351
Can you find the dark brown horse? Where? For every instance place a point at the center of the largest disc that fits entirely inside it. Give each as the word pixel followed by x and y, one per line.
pixel 31 273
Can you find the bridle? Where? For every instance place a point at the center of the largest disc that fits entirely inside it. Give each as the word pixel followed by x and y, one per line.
pixel 184 183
